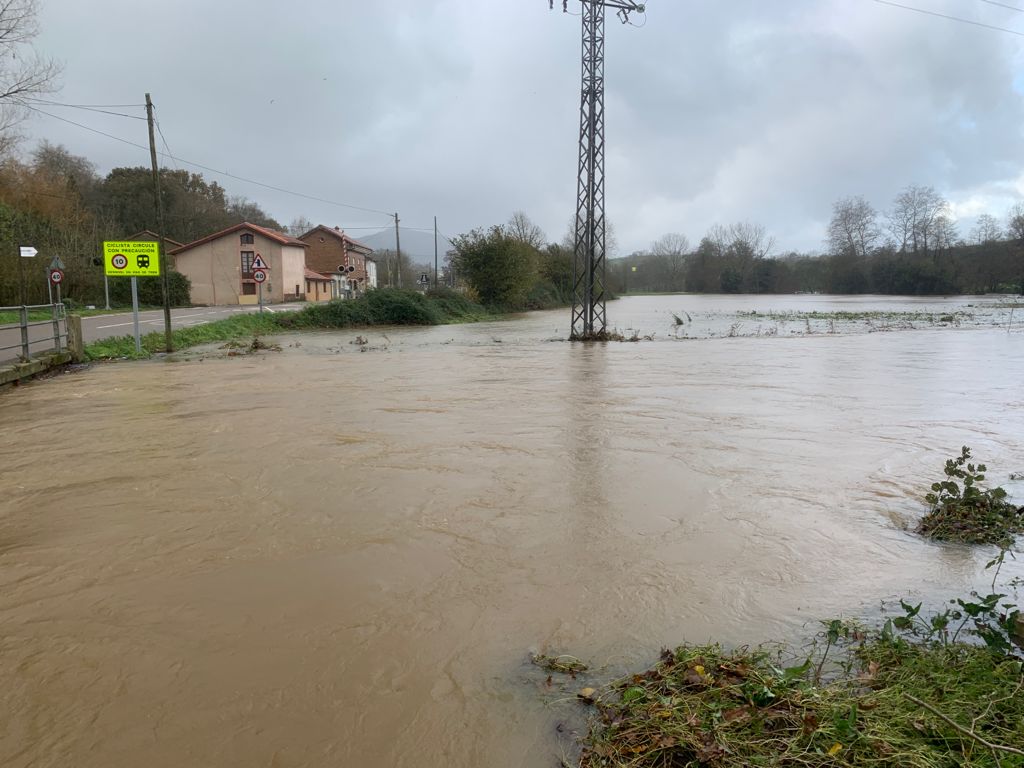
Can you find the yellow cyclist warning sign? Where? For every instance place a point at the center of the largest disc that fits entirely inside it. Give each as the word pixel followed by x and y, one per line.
pixel 131 258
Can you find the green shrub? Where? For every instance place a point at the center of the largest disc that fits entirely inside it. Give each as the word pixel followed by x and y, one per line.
pixel 970 513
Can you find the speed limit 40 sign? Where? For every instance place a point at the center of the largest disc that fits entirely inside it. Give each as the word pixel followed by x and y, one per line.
pixel 259 275
pixel 56 276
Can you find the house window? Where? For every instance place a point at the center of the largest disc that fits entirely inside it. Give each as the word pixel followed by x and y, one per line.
pixel 297 291
pixel 248 239
pixel 308 287
pixel 247 259
pixel 248 289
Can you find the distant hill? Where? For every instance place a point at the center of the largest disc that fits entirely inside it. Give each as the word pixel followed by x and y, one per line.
pixel 416 245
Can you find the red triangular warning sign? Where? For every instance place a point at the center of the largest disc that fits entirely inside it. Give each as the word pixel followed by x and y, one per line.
pixel 259 263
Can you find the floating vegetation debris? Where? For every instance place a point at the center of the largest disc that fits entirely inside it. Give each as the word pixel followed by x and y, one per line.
pixel 962 510
pixel 564 665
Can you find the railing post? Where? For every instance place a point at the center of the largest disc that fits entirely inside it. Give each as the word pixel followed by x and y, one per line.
pixel 56 327
pixel 24 332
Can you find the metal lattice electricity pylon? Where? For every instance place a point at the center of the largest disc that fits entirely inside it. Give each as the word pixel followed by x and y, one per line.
pixel 590 228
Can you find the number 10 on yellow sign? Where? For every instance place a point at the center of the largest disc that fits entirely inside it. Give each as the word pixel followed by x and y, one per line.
pixel 131 258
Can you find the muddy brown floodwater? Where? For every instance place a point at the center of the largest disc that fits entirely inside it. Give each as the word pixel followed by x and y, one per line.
pixel 327 557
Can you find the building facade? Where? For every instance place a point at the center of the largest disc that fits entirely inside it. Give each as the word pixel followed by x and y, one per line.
pixel 220 266
pixel 347 262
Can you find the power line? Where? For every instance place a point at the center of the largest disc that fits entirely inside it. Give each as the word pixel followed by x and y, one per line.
pixel 216 171
pixel 1002 5
pixel 82 107
pixel 951 18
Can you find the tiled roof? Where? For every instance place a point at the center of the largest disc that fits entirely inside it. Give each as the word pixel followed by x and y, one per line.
pixel 148 234
pixel 270 234
pixel 338 233
pixel 311 275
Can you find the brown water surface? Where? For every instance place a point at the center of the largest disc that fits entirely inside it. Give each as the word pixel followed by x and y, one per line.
pixel 327 557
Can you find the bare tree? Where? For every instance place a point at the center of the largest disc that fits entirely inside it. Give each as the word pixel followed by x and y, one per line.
pixel 23 72
pixel 299 226
pixel 914 217
pixel 672 244
pixel 854 227
pixel 520 227
pixel 987 230
pixel 944 235
pixel 611 240
pixel 749 239
pixel 1015 222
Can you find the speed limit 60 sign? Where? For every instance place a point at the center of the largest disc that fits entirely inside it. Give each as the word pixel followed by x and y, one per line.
pixel 131 258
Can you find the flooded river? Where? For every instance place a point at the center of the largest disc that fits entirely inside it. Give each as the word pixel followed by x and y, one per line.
pixel 342 555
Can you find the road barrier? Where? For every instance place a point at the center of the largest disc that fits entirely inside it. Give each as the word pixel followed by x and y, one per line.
pixel 32 342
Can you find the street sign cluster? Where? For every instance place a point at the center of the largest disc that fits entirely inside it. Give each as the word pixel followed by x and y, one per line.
pixel 260 269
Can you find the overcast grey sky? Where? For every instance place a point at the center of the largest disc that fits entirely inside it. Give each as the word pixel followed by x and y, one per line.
pixel 718 110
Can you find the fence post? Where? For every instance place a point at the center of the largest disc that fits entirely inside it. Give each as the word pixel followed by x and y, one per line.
pixel 56 326
pixel 24 332
pixel 76 345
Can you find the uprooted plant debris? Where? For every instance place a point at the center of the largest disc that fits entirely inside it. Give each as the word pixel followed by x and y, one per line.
pixel 892 703
pixel 565 664
pixel 238 348
pixel 962 510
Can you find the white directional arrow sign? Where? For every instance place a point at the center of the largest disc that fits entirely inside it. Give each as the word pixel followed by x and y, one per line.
pixel 27 251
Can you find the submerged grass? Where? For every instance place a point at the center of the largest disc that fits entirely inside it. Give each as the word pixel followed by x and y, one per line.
pixel 894 704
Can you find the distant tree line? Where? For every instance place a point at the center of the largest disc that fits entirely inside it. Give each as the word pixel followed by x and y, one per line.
pixel 57 202
pixel 914 248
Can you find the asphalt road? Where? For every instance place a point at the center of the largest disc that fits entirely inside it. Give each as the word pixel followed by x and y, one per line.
pixel 116 324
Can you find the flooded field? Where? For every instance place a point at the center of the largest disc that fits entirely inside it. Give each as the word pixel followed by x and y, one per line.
pixel 342 555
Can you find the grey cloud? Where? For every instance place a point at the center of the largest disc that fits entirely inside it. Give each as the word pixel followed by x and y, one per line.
pixel 468 109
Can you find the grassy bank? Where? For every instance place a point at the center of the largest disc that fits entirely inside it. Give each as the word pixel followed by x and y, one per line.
pixel 378 308
pixel 239 326
pixel 390 306
pixel 887 701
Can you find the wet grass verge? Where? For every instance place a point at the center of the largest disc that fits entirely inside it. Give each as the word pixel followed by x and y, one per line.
pixel 237 327
pixel 384 307
pixel 888 701
pixel 390 306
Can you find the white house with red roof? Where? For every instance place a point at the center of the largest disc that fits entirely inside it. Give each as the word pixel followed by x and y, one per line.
pixel 220 267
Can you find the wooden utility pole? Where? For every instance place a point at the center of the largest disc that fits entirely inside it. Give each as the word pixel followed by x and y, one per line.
pixel 398 252
pixel 435 253
pixel 164 276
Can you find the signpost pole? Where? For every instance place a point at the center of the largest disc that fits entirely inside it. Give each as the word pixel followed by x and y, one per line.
pixel 21 281
pixel 49 288
pixel 56 326
pixel 135 313
pixel 106 291
pixel 260 289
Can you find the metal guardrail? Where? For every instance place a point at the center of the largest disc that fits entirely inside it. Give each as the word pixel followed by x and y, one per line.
pixel 58 317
